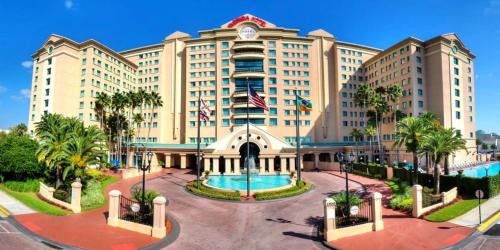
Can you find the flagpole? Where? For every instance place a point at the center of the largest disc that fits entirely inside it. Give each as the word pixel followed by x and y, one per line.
pixel 248 140
pixel 297 138
pixel 198 141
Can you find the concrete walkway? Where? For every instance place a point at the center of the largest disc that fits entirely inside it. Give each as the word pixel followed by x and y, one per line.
pixel 14 206
pixel 471 218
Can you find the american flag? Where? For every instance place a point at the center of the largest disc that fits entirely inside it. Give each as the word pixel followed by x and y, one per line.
pixel 255 99
pixel 204 111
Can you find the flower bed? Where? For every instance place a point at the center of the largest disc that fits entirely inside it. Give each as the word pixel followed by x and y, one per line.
pixel 213 193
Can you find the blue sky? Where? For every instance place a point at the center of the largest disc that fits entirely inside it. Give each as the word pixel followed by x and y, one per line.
pixel 25 25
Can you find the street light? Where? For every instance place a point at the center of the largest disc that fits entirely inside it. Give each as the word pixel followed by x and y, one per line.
pixel 145 165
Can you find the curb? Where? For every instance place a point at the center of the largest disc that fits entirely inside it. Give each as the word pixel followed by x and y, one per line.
pixel 171 237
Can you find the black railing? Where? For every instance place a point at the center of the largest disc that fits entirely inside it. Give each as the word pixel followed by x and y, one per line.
pixel 143 216
pixel 364 215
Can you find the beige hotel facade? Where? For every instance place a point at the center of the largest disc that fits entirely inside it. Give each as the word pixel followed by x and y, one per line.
pixel 437 75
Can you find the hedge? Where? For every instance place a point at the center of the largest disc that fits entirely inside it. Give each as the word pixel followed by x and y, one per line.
pixel 300 188
pixel 203 190
pixel 370 170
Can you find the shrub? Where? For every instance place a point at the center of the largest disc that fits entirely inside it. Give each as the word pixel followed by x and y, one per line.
pixel 94 174
pixel 62 195
pixel 299 188
pixel 23 186
pixel 402 196
pixel 92 195
pixel 205 191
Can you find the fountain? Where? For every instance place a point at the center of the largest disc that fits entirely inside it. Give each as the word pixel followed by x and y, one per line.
pixel 251 164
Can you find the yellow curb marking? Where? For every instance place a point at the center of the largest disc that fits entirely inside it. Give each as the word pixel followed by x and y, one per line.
pixel 485 225
pixel 4 212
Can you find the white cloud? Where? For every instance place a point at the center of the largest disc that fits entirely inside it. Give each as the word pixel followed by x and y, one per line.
pixel 23 94
pixel 68 4
pixel 27 64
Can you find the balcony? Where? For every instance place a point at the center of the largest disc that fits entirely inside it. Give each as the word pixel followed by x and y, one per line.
pixel 248 46
pixel 250 115
pixel 250 54
pixel 249 74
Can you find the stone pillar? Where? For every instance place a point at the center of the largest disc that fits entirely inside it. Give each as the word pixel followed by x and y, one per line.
pixel 159 230
pixel 237 166
pixel 154 161
pixel 216 166
pixel 292 165
pixel 114 207
pixel 183 161
pixel 316 160
pixel 329 219
pixel 271 165
pixel 283 165
pixel 228 166
pixel 378 224
pixel 332 162
pixel 168 162
pixel 417 200
pixel 262 167
pixel 206 164
pixel 76 192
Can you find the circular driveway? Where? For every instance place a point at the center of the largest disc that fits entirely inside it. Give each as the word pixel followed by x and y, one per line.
pixel 209 224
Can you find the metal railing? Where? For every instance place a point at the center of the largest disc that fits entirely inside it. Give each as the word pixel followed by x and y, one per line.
pixel 364 215
pixel 144 215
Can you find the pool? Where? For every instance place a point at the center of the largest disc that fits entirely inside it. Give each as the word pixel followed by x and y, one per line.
pixel 480 171
pixel 257 182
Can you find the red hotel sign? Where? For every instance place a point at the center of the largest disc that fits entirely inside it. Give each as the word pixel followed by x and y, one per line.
pixel 241 19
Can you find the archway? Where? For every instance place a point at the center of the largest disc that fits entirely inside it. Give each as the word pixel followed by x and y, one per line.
pixel 254 152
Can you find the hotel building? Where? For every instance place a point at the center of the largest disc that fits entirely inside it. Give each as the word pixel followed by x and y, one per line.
pixel 436 75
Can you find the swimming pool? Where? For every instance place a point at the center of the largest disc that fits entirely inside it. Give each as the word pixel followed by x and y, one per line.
pixel 480 171
pixel 257 182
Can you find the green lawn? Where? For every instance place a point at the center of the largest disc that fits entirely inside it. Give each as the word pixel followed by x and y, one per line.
pixel 453 211
pixel 31 200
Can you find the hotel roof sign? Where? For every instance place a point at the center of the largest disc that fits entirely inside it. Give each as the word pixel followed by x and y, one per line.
pixel 248 18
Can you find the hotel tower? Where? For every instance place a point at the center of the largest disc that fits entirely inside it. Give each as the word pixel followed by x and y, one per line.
pixel 436 75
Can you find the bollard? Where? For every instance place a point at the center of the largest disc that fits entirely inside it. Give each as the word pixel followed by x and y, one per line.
pixel 378 224
pixel 159 230
pixel 329 219
pixel 114 206
pixel 76 195
pixel 417 200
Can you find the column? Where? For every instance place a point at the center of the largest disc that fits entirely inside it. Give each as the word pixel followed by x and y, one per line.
pixel 154 161
pixel 271 165
pixel 378 224
pixel 159 230
pixel 130 161
pixel 206 164
pixel 76 191
pixel 168 161
pixel 316 160
pixel 262 167
pixel 329 219
pixel 302 161
pixel 228 166
pixel 216 166
pixel 417 200
pixel 283 165
pixel 183 161
pixel 237 166
pixel 292 165
pixel 114 206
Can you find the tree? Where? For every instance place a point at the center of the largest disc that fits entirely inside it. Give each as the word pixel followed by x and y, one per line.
pixel 155 102
pixel 439 144
pixel 19 130
pixel 380 108
pixel 394 93
pixel 358 136
pixel 102 103
pixel 410 133
pixel 493 146
pixel 370 132
pixel 17 158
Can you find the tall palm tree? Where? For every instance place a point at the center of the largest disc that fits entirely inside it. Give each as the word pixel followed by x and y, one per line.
pixel 394 93
pixel 102 102
pixel 132 102
pixel 362 98
pixel 155 102
pixel 380 107
pixel 358 136
pixel 119 102
pixel 410 133
pixel 370 132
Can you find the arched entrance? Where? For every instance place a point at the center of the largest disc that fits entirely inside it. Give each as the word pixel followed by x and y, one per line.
pixel 254 152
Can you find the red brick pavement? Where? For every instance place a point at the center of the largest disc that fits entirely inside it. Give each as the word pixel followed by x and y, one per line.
pixel 401 231
pixel 89 229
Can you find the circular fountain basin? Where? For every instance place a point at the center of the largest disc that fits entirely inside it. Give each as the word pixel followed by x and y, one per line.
pixel 257 182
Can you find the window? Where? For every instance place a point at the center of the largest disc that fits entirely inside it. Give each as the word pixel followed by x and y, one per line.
pixel 225 81
pixel 82 93
pixel 419 70
pixel 225 122
pixel 225 62
pixel 225 111
pixel 272 62
pixel 272 53
pixel 225 91
pixel 225 101
pixel 49 71
pixel 457 104
pixel 457 115
pixel 225 72
pixel 273 122
pixel 456 71
pixel 272 71
pixel 225 53
pixel 455 60
pixel 457 92
pixel 419 59
pixel 420 92
pixel 272 90
pixel 273 101
pixel 273 111
pixel 271 44
pixel 419 80
pixel 420 104
pixel 48 81
pixel 225 45
pixel 457 81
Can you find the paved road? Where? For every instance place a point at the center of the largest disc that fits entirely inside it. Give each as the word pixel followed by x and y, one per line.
pixel 12 239
pixel 490 240
pixel 287 224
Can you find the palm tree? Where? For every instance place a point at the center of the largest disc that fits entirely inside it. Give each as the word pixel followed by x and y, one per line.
pixel 102 102
pixel 440 143
pixel 357 135
pixel 155 102
pixel 132 102
pixel 370 132
pixel 380 107
pixel 410 133
pixel 394 93
pixel 119 102
pixel 19 130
